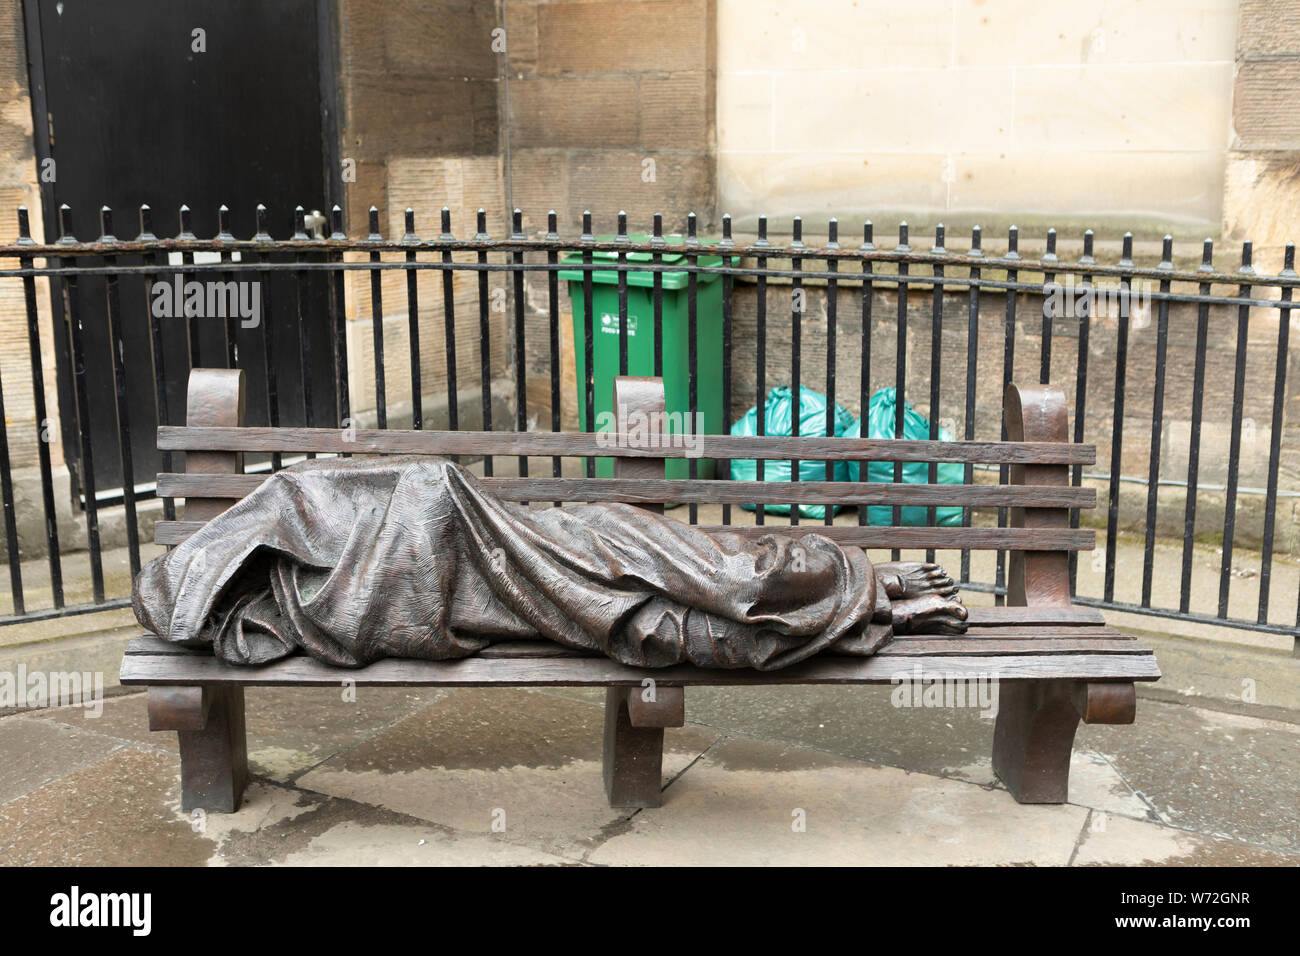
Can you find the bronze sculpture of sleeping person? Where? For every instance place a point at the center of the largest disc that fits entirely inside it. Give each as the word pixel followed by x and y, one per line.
pixel 354 560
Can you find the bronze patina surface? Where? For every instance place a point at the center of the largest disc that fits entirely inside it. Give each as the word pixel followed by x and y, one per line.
pixel 354 560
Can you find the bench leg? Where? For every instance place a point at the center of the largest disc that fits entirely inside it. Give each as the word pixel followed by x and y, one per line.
pixel 1035 729
pixel 214 760
pixel 1033 737
pixel 209 721
pixel 634 743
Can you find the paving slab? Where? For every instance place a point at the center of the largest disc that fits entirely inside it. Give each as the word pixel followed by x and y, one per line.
pixel 862 723
pixel 858 722
pixel 757 803
pixel 1228 774
pixel 124 718
pixel 283 826
pixel 124 810
pixel 514 762
pixel 513 777
pixel 35 752
pixel 1118 841
pixel 112 813
pixel 360 843
pixel 1220 774
pixel 1096 784
pixel 1222 676
pixel 290 729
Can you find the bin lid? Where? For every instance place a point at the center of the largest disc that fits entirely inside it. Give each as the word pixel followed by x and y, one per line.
pixel 671 255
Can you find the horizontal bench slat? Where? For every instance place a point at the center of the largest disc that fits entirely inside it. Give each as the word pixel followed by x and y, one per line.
pixel 984 647
pixel 651 490
pixel 575 444
pixel 599 671
pixel 978 640
pixel 1009 616
pixel 903 646
pixel 1032 632
pixel 955 539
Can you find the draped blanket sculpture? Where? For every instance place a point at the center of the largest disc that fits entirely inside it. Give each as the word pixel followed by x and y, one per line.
pixel 353 560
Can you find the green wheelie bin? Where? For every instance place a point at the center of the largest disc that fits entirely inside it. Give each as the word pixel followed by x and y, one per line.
pixel 640 340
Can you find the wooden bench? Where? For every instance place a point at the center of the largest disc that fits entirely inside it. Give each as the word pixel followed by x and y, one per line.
pixel 1055 663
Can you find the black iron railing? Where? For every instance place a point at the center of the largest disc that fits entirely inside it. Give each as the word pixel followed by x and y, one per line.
pixel 958 283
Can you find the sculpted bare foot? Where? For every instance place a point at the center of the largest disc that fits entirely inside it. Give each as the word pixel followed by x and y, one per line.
pixel 931 613
pixel 912 579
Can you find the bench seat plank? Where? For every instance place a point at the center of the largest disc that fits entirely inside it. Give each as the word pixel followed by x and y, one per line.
pixel 1029 632
pixel 600 671
pixel 992 646
pixel 1007 616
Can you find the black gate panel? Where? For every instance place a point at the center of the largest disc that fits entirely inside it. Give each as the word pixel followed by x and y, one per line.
pixel 171 102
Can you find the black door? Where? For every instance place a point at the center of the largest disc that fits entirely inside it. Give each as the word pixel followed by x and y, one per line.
pixel 141 108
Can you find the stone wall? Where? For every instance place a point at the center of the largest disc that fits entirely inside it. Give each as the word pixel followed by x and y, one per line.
pixel 612 107
pixel 1094 113
pixel 1262 184
pixel 418 85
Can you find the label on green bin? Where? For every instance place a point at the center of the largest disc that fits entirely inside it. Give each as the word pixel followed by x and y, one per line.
pixel 609 324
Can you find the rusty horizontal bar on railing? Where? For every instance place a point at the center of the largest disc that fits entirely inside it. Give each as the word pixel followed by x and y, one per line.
pixel 879 280
pixel 842 254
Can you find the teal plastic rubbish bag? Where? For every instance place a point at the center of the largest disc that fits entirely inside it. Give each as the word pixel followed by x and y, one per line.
pixel 777 421
pixel 880 424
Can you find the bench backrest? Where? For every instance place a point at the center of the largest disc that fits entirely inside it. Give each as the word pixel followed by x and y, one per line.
pixel 1038 454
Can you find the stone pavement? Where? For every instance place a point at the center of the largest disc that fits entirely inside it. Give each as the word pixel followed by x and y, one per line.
pixel 512 776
